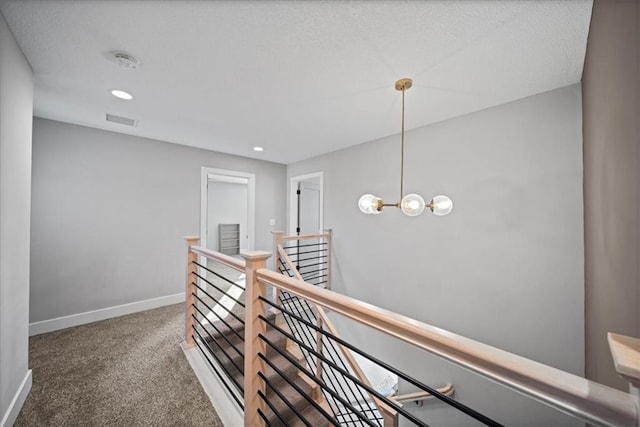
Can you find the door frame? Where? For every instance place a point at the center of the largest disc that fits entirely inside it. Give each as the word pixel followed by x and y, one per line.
pixel 293 199
pixel 251 202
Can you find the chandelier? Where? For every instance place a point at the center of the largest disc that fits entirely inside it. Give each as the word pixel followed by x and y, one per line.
pixel 410 204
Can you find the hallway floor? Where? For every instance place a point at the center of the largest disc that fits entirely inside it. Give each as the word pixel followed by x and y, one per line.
pixel 126 371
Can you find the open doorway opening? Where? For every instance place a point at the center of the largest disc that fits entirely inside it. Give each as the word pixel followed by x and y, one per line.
pixel 227 210
pixel 227 225
pixel 227 216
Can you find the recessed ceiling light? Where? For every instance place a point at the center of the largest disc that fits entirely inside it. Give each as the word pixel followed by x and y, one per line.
pixel 258 149
pixel 122 94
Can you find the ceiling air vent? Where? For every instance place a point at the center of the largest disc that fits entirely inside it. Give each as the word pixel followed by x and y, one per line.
pixel 122 120
pixel 125 60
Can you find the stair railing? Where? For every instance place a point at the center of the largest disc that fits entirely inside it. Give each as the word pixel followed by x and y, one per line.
pixel 310 254
pixel 586 400
pixel 296 256
pixel 315 250
pixel 581 398
pixel 214 322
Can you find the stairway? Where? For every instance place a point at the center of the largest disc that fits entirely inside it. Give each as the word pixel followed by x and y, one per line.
pixel 288 416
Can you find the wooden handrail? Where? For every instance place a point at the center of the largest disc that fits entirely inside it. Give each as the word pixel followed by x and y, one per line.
pixel 574 395
pixel 229 261
pixel 304 237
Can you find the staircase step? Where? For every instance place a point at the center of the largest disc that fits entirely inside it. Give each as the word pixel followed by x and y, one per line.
pixel 227 339
pixel 289 370
pixel 301 404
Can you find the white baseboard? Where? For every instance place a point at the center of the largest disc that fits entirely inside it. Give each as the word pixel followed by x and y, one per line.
pixel 9 417
pixel 58 323
pixel 229 412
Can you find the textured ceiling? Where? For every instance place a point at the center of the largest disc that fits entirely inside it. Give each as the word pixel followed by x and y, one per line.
pixel 299 78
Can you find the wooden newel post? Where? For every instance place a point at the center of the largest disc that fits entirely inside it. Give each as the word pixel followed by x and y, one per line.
pixel 277 240
pixel 253 345
pixel 190 291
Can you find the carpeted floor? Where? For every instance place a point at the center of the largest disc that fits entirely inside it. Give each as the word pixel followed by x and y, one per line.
pixel 127 371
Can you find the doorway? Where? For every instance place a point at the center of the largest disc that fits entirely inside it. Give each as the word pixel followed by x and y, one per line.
pixel 227 225
pixel 306 204
pixel 306 201
pixel 227 210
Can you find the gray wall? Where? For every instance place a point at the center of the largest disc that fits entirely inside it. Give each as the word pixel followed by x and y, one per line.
pixel 16 110
pixel 110 211
pixel 227 205
pixel 611 96
pixel 505 267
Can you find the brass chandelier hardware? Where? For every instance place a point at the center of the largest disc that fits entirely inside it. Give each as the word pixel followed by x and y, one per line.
pixel 410 204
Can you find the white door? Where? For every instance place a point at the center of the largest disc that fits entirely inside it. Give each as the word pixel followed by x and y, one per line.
pixel 308 207
pixel 307 219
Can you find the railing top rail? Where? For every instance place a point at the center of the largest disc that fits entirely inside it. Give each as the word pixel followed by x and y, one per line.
pixel 569 393
pixel 237 264
pixel 305 237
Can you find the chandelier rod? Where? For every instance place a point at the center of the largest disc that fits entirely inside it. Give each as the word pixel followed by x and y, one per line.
pixel 402 148
pixel 411 204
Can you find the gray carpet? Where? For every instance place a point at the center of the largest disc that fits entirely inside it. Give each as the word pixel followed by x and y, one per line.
pixel 127 371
